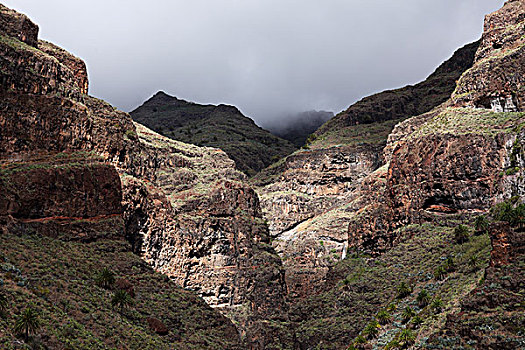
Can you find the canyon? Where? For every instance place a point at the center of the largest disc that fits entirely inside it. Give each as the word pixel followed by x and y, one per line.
pixel 407 193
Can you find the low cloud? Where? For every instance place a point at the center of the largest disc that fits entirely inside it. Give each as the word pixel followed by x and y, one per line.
pixel 270 58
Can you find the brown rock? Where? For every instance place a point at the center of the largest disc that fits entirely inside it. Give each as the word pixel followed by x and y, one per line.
pixel 501 238
pixel 157 326
pixel 496 81
pixel 17 25
pixel 125 285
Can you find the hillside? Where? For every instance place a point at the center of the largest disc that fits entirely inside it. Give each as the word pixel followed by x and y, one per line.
pixel 416 214
pixel 251 147
pixel 311 195
pixel 396 231
pixel 75 169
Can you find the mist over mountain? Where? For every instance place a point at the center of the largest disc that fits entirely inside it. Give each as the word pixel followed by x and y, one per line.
pixel 296 127
pixel 225 127
pixel 266 57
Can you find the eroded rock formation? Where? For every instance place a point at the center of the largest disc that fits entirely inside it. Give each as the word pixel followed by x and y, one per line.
pixel 185 209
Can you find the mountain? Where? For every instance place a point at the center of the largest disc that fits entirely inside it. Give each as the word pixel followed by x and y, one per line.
pixel 389 231
pixel 225 127
pixel 297 127
pixel 83 188
pixel 391 214
pixel 310 195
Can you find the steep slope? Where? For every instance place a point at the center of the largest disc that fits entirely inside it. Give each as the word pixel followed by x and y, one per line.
pixel 443 168
pixel 185 209
pixel 492 315
pixel 251 147
pixel 406 102
pixel 310 197
pixel 296 128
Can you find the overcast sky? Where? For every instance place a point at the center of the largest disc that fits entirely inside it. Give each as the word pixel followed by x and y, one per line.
pixel 267 57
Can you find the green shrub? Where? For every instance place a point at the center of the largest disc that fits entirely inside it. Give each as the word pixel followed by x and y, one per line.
pixel 121 300
pixel 27 322
pixel 437 305
pixel 440 273
pixel 393 344
pixel 416 321
pixel 359 340
pixel 407 314
pixel 461 234
pixel 372 329
pixel 473 262
pixel 449 265
pixel 423 298
pixel 383 317
pixel 403 290
pixel 406 338
pixel 511 211
pixel 481 225
pixel 105 278
pixel 391 307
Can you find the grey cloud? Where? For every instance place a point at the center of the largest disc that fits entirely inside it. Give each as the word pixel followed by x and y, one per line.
pixel 268 57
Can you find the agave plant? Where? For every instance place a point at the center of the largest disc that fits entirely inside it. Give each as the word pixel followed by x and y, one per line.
pixel 27 322
pixel 407 314
pixel 105 278
pixel 403 290
pixel 372 329
pixel 383 317
pixel 437 305
pixel 406 338
pixel 416 321
pixel 440 273
pixel 423 298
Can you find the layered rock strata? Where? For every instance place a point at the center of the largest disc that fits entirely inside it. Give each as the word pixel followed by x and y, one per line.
pixel 185 209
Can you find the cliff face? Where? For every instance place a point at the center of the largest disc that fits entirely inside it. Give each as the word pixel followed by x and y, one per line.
pixel 225 127
pixel 185 209
pixel 496 82
pixel 442 168
pixel 312 196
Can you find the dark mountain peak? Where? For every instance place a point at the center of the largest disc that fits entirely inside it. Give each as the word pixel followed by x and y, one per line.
pixel 222 126
pixel 162 96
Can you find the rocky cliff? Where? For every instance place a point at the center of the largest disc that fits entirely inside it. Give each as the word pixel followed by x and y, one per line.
pixel 442 170
pixel 75 168
pixel 225 127
pixel 311 197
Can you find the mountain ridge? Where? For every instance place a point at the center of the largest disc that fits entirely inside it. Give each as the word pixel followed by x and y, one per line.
pixel 221 126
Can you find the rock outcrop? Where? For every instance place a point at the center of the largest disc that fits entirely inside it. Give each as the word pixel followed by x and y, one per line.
pixel 185 209
pixel 497 80
pixel 313 196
